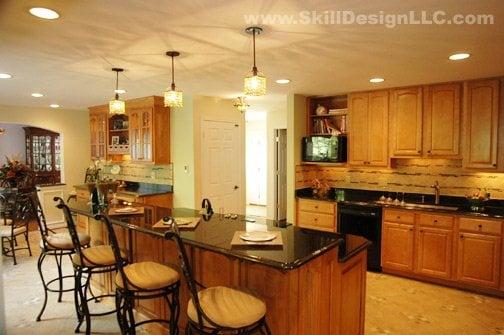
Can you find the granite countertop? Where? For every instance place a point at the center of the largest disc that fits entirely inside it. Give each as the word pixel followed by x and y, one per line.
pixel 215 234
pixel 139 189
pixel 493 208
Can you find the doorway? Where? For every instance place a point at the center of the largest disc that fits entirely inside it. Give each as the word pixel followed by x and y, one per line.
pixel 221 165
pixel 256 163
pixel 280 174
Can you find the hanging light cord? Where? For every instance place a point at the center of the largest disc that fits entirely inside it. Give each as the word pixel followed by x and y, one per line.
pixel 172 73
pixel 254 69
pixel 117 85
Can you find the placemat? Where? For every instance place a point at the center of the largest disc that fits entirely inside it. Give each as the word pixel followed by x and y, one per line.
pixel 276 241
pixel 112 211
pixel 182 222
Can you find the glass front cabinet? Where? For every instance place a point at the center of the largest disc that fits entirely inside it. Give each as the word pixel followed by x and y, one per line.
pixel 43 155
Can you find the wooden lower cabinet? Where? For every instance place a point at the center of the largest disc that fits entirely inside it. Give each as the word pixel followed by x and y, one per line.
pixel 479 259
pixel 434 252
pixel 316 214
pixel 398 241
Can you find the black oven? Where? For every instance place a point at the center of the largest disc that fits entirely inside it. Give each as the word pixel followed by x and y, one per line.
pixel 363 220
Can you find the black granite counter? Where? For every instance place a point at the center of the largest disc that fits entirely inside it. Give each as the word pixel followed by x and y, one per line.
pixel 459 205
pixel 140 189
pixel 215 234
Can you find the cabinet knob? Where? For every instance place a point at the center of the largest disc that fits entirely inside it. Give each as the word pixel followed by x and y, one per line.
pixel 494 165
pixel 435 221
pixel 315 219
pixel 316 207
pixel 429 152
pixel 398 217
pixel 419 151
pixel 461 236
pixel 411 229
pixel 421 230
pixel 480 226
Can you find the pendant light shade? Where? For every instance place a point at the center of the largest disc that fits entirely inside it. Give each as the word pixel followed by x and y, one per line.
pixel 173 97
pixel 241 104
pixel 255 84
pixel 117 106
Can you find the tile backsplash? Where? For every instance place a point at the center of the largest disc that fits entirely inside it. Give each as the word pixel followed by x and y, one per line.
pixel 408 175
pixel 143 173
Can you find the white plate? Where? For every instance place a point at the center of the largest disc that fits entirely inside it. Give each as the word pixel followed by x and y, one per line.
pixel 258 236
pixel 126 210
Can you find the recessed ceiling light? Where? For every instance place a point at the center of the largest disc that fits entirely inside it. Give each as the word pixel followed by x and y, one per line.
pixel 37 95
pixel 5 76
pixel 54 106
pixel 44 13
pixel 376 80
pixel 283 81
pixel 459 56
pixel 120 91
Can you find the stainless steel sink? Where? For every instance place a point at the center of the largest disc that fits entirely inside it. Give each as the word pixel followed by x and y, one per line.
pixel 425 206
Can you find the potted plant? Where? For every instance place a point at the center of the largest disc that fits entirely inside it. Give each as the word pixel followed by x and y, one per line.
pixel 15 174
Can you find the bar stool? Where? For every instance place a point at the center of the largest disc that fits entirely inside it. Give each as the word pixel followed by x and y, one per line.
pixel 53 244
pixel 15 208
pixel 139 281
pixel 87 262
pixel 218 309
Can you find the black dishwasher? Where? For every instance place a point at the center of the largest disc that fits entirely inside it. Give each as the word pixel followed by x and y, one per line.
pixel 363 219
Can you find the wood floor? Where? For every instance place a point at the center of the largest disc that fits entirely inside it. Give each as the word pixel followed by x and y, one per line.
pixel 394 306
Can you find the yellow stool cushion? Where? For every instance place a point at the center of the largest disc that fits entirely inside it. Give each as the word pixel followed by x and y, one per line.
pixel 5 221
pixel 228 307
pixel 101 255
pixel 148 276
pixel 64 241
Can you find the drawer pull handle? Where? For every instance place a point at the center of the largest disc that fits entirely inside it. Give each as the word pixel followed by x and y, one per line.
pixel 480 226
pixel 411 229
pixel 315 219
pixel 461 236
pixel 398 217
pixel 316 207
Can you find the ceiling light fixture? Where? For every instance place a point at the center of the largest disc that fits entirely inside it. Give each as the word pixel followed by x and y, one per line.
pixel 117 106
pixel 255 84
pixel 37 95
pixel 5 76
pixel 173 97
pixel 459 56
pixel 44 13
pixel 54 106
pixel 376 80
pixel 241 104
pixel 282 81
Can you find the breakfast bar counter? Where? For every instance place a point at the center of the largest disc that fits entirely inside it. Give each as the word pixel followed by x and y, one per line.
pixel 314 283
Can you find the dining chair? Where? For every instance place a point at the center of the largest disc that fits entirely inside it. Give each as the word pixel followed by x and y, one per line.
pixel 16 218
pixel 142 281
pixel 217 310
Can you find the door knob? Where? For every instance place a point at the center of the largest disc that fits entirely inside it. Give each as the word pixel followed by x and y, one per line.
pixel 236 187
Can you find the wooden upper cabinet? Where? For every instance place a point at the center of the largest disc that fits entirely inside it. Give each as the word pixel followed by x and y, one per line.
pixel 368 128
pixel 442 120
pixel 406 122
pixel 98 132
pixel 481 114
pixel 358 128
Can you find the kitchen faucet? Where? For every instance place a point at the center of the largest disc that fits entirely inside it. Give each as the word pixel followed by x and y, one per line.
pixel 437 189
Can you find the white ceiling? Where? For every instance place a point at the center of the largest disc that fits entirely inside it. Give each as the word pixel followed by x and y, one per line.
pixel 69 59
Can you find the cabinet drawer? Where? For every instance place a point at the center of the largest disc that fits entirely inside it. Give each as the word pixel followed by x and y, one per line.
pixel 316 206
pixel 433 220
pixel 316 221
pixel 481 226
pixel 392 215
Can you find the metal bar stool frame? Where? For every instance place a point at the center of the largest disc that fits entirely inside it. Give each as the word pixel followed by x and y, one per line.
pixel 199 327
pixel 127 296
pixel 83 271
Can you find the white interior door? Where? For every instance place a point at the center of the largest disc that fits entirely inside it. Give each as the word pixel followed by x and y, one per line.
pixel 220 175
pixel 281 174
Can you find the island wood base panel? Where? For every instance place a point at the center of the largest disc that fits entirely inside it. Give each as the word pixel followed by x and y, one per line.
pixel 323 296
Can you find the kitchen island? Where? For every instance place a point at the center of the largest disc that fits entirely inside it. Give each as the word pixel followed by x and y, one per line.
pixel 314 283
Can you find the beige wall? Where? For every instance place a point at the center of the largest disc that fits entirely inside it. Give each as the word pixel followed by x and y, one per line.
pixel 182 154
pixel 216 109
pixel 73 126
pixel 296 129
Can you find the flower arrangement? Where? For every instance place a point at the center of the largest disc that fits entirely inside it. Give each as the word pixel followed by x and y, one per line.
pixel 14 174
pixel 320 190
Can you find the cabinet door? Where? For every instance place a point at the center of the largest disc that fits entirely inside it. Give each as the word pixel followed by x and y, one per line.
pixel 93 136
pixel 101 135
pixel 135 135
pixel 442 121
pixel 358 128
pixel 479 259
pixel 406 107
pixel 378 128
pixel 146 133
pixel 434 252
pixel 481 123
pixel 397 246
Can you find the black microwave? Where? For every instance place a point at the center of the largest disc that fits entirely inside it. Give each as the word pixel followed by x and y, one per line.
pixel 325 148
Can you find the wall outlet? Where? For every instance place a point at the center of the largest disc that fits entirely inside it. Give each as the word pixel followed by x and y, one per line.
pixel 186 168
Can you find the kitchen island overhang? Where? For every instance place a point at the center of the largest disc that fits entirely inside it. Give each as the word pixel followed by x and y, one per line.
pixel 313 284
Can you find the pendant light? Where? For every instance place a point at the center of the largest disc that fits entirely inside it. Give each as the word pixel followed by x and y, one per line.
pixel 241 104
pixel 117 106
pixel 173 97
pixel 254 84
